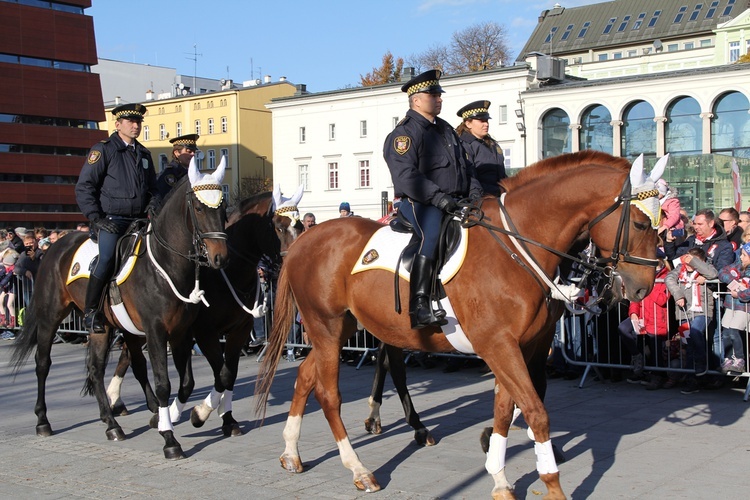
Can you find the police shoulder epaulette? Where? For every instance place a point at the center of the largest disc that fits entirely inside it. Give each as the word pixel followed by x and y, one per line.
pixel 403 120
pixel 104 141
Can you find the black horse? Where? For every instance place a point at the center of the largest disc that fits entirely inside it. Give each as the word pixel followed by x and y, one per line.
pixel 187 232
pixel 261 225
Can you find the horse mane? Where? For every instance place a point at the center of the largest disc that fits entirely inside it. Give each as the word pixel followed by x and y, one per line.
pixel 174 189
pixel 561 164
pixel 242 206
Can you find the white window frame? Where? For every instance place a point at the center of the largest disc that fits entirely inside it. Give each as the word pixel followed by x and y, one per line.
pixel 302 135
pixel 363 128
pixel 225 154
pixel 146 133
pixel 334 181
pixel 303 175
pixel 503 114
pixel 211 159
pixel 162 132
pixel 331 131
pixel 224 125
pixel 197 127
pixel 210 125
pixel 178 128
pixel 364 170
pixel 734 51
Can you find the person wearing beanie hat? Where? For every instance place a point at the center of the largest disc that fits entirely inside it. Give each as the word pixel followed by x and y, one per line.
pixel 345 210
pixel 484 152
pixel 430 171
pixel 117 185
pixel 15 239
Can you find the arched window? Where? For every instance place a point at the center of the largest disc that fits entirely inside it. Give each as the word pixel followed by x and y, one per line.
pixel 596 129
pixel 638 130
pixel 555 133
pixel 683 132
pixel 730 126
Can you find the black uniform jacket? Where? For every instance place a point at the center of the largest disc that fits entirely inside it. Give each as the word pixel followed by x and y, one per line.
pixel 489 163
pixel 169 177
pixel 426 159
pixel 115 181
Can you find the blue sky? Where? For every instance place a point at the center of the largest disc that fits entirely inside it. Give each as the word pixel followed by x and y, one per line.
pixel 325 45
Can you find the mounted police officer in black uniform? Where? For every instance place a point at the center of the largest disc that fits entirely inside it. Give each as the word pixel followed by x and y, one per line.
pixel 184 148
pixel 484 152
pixel 430 171
pixel 117 185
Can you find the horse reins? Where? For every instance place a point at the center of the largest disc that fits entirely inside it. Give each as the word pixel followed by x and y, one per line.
pixel 619 249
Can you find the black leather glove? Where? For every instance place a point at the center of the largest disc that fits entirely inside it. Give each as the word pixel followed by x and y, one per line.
pixel 104 225
pixel 475 196
pixel 152 208
pixel 446 203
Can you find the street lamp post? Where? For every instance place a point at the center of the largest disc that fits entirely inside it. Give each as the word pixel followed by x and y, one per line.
pixel 263 158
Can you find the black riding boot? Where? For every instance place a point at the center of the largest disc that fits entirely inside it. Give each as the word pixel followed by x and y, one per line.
pixel 420 303
pixel 92 317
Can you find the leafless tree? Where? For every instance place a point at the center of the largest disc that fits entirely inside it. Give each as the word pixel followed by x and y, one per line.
pixel 478 47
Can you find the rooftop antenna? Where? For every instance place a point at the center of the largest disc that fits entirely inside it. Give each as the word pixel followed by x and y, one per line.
pixel 195 62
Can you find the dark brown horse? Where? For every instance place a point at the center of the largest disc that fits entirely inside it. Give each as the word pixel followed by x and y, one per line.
pixel 187 232
pixel 501 305
pixel 262 225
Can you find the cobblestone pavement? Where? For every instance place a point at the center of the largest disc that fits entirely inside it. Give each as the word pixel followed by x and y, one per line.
pixel 620 440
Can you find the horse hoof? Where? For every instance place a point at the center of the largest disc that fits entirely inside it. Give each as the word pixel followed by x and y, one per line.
pixel 195 419
pixel 231 430
pixel 424 438
pixel 367 483
pixel 119 410
pixel 173 453
pixel 115 434
pixel 44 430
pixel 291 464
pixel 503 494
pixel 373 426
pixel 154 422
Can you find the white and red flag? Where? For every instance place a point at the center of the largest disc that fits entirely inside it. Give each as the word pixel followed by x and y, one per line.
pixel 737 185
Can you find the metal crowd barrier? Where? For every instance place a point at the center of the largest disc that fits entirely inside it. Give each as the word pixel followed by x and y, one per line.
pixel 593 342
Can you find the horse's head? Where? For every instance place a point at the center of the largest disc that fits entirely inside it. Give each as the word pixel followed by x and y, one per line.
pixel 207 213
pixel 286 218
pixel 627 238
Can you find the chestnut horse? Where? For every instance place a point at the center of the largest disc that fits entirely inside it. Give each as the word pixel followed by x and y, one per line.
pixel 187 233
pixel 262 225
pixel 500 302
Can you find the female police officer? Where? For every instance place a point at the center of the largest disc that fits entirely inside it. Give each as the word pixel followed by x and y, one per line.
pixel 429 171
pixel 483 151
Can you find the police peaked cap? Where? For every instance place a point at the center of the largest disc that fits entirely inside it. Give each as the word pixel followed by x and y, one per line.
pixel 429 81
pixel 130 111
pixel 479 110
pixel 186 141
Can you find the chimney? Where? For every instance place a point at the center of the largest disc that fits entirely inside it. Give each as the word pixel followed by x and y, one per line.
pixel 267 79
pixel 407 74
pixel 301 89
pixel 117 100
pixel 149 95
pixel 282 78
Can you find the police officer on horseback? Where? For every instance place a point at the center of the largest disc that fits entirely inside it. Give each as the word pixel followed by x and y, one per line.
pixel 116 186
pixel 430 171
pixel 184 148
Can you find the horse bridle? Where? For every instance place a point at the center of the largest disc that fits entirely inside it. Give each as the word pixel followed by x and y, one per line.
pixel 606 266
pixel 200 250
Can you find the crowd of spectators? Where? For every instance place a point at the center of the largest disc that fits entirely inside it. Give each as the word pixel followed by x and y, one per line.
pixel 21 253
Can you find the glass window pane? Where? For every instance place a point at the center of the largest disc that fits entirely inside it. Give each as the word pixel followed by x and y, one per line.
pixel 684 128
pixel 638 130
pixel 555 133
pixel 596 129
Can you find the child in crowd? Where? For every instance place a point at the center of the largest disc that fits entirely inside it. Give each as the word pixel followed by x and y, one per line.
pixel 694 303
pixel 737 311
pixel 646 328
pixel 7 295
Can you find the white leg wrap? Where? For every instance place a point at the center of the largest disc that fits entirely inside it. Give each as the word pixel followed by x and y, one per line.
pixel 213 399
pixel 496 454
pixel 113 389
pixel 545 458
pixel 165 423
pixel 225 404
pixel 175 410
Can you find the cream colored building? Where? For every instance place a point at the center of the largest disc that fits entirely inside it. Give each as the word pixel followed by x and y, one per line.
pixel 234 123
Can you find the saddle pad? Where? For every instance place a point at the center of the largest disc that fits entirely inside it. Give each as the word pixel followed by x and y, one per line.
pixel 385 247
pixel 79 267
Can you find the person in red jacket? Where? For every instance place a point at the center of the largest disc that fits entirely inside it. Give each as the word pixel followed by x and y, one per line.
pixel 646 329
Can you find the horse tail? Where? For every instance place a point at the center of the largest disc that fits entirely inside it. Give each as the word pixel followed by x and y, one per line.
pixel 26 340
pixel 284 314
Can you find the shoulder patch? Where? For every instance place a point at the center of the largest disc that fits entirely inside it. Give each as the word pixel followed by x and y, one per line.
pixel 94 157
pixel 401 144
pixel 170 179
